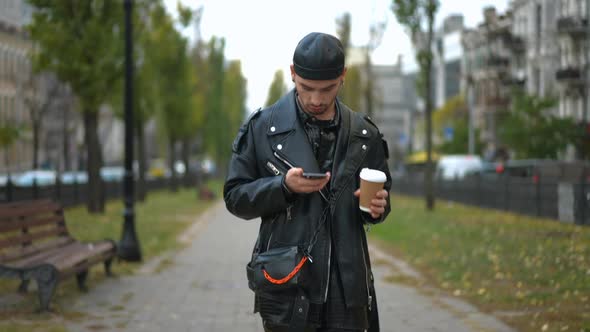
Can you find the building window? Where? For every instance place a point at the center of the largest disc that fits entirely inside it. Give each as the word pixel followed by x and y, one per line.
pixel 4 63
pixel 11 107
pixel 19 64
pixel 538 26
pixel 561 108
pixel 2 110
pixel 580 107
pixel 537 80
pixel 11 71
pixel 565 56
pixel 562 8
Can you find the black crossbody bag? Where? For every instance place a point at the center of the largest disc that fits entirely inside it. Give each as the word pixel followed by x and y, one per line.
pixel 282 268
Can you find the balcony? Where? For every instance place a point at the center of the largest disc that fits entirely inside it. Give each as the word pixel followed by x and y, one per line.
pixel 499 62
pixel 573 26
pixel 516 44
pixel 513 80
pixel 8 28
pixel 569 74
pixel 498 32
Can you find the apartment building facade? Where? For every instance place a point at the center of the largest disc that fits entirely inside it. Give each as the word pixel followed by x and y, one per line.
pixel 14 49
pixel 392 109
pixel 61 134
pixel 393 113
pixel 487 76
pixel 573 65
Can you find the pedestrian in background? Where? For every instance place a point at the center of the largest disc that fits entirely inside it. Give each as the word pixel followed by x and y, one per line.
pixel 310 268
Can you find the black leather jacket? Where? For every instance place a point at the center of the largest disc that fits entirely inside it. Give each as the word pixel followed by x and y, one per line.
pixel 253 189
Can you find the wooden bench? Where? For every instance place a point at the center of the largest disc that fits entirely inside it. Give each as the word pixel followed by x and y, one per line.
pixel 35 244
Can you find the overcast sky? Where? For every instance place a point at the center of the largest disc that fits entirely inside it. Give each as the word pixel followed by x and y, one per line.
pixel 264 33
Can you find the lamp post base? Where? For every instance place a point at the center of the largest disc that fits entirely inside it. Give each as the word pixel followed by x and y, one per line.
pixel 128 249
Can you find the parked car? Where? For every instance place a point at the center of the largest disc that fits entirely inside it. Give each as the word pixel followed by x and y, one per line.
pixel 3 179
pixel 455 167
pixel 179 167
pixel 112 173
pixel 208 166
pixel 40 177
pixel 158 169
pixel 74 176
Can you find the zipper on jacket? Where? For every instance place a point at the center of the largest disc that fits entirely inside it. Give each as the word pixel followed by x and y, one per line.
pixel 271 233
pixel 283 160
pixel 329 261
pixel 268 243
pixel 273 168
pixel 289 212
pixel 367 277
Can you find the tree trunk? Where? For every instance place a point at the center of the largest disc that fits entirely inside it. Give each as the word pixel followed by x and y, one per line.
pixel 429 165
pixel 369 86
pixel 171 158
pixel 36 133
pixel 95 203
pixel 186 149
pixel 7 161
pixel 142 159
pixel 65 141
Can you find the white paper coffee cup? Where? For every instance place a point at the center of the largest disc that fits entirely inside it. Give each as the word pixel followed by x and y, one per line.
pixel 372 181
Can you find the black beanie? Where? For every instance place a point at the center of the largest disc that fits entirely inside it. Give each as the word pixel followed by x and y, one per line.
pixel 319 56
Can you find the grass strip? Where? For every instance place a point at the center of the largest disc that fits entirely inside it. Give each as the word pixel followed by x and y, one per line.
pixel 533 273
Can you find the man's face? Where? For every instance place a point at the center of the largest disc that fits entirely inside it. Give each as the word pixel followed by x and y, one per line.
pixel 317 96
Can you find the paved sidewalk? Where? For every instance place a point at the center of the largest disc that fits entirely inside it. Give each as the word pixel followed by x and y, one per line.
pixel 203 288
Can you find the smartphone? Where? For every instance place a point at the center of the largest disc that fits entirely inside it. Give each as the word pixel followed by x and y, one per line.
pixel 314 175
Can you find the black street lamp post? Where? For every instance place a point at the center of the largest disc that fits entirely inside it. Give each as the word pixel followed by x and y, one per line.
pixel 128 248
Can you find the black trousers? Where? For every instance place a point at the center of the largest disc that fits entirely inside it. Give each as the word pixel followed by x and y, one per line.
pixel 270 328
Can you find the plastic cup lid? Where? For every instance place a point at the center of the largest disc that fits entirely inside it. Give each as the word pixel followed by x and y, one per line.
pixel 373 175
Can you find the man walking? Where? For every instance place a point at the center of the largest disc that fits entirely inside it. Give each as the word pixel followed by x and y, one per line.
pixel 296 166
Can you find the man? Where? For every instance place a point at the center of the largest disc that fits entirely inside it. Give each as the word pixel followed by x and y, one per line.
pixel 310 130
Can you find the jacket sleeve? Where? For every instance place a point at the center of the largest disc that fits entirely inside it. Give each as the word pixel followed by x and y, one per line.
pixel 378 159
pixel 247 195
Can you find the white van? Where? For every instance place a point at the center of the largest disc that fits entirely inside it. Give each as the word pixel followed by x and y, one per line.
pixel 456 167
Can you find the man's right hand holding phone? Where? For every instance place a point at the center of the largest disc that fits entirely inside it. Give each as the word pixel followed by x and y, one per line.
pixel 297 183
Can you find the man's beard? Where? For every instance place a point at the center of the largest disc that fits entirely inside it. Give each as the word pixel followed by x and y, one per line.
pixel 316 111
pixel 324 108
pixel 321 110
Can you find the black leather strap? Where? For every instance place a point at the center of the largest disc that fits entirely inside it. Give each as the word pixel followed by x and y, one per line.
pixel 300 310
